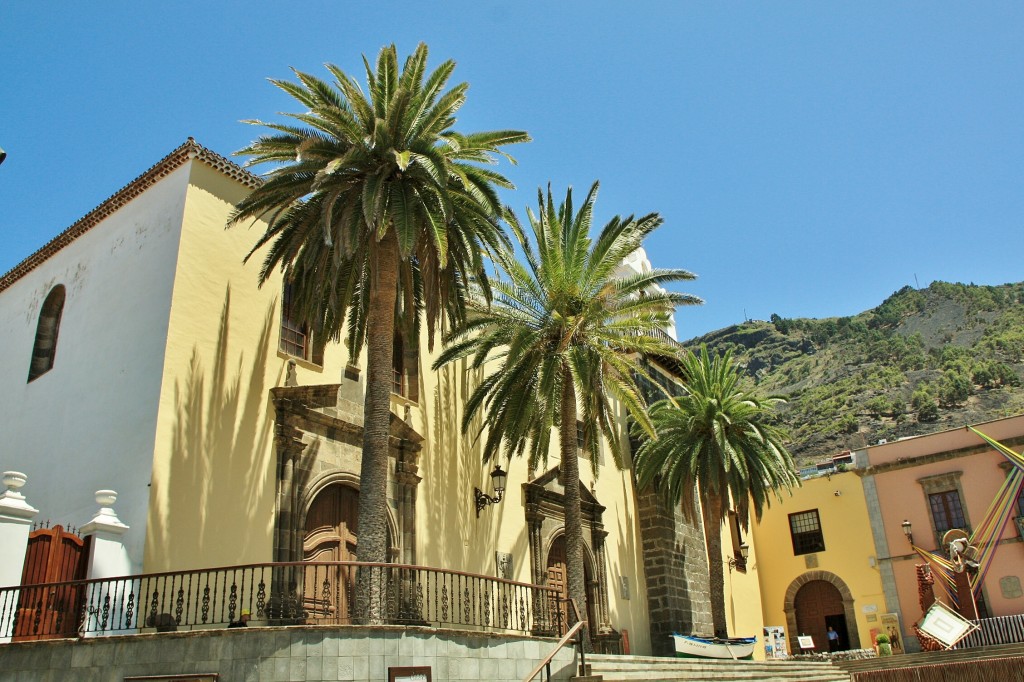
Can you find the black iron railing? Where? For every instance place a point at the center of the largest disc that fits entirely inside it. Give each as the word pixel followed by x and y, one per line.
pixel 320 593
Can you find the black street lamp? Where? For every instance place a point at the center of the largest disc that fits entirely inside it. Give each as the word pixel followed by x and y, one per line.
pixel 498 479
pixel 908 531
pixel 740 562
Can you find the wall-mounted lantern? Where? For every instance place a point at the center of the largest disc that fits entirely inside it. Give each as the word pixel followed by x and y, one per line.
pixel 498 479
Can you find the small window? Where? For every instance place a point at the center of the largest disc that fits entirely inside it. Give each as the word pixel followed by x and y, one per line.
pixel 947 512
pixel 45 348
pixel 295 337
pixel 805 527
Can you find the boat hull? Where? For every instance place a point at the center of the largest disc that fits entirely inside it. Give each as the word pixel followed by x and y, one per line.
pixel 700 647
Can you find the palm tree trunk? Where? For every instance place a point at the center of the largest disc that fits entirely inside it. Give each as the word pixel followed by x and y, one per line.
pixel 576 576
pixel 372 539
pixel 710 507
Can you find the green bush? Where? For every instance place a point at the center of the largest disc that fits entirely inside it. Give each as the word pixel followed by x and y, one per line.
pixel 955 388
pixel 924 404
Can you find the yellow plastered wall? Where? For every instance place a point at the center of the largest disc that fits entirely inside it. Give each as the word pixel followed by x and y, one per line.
pixel 212 497
pixel 849 550
pixel 212 493
pixel 449 532
pixel 743 608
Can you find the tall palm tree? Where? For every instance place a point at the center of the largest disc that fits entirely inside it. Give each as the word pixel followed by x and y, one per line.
pixel 377 209
pixel 716 437
pixel 566 329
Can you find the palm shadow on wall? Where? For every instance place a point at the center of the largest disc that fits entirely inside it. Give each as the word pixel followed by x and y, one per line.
pixel 220 482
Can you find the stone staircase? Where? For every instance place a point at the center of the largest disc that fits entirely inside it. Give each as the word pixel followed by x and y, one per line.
pixel 976 657
pixel 622 668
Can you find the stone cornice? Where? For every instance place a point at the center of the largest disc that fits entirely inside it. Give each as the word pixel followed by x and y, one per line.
pixel 920 460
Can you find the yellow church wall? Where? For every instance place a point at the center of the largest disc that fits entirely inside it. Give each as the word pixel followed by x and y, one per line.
pixel 214 458
pixel 451 535
pixel 743 607
pixel 849 551
pixel 213 471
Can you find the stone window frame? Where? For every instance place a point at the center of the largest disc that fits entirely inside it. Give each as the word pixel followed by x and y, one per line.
pixel 44 348
pixel 943 483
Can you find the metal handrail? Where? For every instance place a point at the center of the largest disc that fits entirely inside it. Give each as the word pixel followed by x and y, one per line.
pixel 558 647
pixel 283 593
pixel 577 631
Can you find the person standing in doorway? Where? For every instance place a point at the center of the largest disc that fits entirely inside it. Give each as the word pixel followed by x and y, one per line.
pixel 833 639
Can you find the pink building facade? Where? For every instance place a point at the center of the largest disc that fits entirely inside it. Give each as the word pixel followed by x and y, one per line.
pixel 937 482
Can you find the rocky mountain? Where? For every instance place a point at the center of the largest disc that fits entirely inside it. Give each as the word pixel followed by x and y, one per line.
pixel 924 360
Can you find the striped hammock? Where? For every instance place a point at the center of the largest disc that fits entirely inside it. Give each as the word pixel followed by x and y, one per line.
pixel 986 535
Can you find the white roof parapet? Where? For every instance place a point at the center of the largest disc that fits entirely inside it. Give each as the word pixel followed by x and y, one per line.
pixel 12 501
pixel 106 518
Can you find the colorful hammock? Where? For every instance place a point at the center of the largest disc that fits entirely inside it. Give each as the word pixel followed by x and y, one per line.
pixel 986 535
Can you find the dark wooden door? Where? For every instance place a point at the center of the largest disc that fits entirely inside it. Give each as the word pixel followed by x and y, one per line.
pixel 815 603
pixel 51 611
pixel 558 578
pixel 331 525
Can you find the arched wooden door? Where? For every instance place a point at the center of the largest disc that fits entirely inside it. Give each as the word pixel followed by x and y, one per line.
pixel 558 578
pixel 819 605
pixel 331 524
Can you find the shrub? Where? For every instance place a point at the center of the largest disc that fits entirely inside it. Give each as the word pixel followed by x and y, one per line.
pixel 924 404
pixel 955 388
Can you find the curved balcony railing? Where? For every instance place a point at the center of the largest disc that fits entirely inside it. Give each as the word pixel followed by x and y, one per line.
pixel 307 593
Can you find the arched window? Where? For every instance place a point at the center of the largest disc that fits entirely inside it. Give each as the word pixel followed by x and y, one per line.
pixel 45 347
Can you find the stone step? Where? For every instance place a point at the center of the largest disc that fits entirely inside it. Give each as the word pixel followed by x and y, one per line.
pixel 933 658
pixel 662 674
pixel 624 668
pixel 666 676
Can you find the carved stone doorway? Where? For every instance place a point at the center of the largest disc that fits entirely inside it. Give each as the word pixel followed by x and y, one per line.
pixel 816 600
pixel 558 578
pixel 331 524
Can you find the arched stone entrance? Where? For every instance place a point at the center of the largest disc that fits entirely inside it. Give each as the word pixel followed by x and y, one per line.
pixel 545 519
pixel 815 601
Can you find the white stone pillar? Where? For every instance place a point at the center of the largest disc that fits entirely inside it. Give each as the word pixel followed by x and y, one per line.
pixel 15 524
pixel 107 602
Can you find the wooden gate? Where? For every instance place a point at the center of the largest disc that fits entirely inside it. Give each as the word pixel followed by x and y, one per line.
pixel 51 611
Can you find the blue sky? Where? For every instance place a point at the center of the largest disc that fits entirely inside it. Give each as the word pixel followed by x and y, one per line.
pixel 809 158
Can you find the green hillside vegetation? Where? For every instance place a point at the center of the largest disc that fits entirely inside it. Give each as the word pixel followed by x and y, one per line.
pixel 922 361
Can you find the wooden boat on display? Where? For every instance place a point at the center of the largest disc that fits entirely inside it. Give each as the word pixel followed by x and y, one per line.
pixel 734 648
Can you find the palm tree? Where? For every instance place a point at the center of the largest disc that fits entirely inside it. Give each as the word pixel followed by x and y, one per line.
pixel 377 209
pixel 566 329
pixel 715 437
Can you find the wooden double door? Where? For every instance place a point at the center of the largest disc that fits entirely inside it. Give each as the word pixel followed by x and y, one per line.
pixel 818 606
pixel 330 535
pixel 558 578
pixel 45 610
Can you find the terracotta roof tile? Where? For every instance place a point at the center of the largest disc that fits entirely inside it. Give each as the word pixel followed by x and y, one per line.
pixel 189 150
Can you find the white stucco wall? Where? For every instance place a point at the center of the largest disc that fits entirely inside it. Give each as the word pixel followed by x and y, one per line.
pixel 89 423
